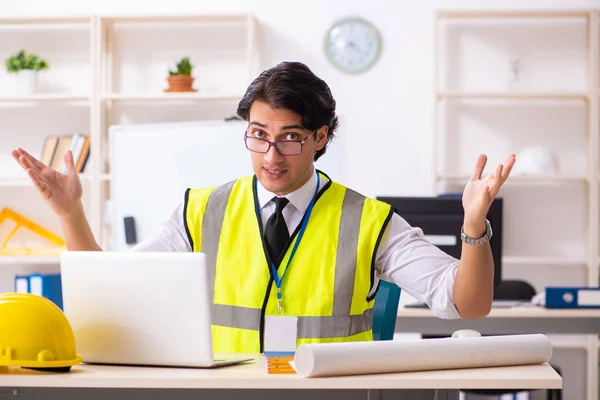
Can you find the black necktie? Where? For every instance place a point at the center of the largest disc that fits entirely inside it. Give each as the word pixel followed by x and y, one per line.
pixel 276 231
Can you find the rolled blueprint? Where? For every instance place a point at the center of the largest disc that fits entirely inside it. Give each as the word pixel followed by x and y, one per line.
pixel 354 358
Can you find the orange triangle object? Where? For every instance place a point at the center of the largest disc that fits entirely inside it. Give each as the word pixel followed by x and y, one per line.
pixel 23 222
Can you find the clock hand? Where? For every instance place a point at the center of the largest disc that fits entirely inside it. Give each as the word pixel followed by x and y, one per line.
pixel 355 47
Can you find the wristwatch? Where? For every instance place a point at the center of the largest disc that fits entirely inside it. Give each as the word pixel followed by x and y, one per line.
pixel 478 241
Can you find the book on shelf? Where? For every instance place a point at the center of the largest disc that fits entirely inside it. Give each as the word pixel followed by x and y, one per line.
pixel 54 149
pixel 48 150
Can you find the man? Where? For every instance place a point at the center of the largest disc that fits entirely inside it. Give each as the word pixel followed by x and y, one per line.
pixel 288 241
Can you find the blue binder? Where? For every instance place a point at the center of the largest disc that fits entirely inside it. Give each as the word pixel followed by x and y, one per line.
pixel 45 285
pixel 573 297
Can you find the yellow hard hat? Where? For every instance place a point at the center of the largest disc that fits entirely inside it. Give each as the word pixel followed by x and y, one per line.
pixel 35 333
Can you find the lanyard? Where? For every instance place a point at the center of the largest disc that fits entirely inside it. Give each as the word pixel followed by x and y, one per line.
pixel 304 222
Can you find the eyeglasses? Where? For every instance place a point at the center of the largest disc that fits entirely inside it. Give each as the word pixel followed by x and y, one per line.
pixel 284 147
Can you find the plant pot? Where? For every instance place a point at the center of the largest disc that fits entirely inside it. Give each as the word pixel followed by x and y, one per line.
pixel 26 82
pixel 180 83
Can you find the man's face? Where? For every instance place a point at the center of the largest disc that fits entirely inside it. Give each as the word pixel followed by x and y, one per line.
pixel 282 174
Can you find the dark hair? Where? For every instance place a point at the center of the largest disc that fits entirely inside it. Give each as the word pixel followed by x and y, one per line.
pixel 293 86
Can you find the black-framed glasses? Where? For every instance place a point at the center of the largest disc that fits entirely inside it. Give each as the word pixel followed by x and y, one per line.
pixel 284 147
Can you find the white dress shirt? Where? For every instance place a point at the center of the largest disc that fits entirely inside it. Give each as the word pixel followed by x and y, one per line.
pixel 404 256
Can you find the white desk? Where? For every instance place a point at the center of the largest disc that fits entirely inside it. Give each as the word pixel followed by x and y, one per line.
pixel 226 382
pixel 513 320
pixel 517 320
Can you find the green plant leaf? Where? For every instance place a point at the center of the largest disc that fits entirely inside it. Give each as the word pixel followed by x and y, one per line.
pixel 183 67
pixel 23 61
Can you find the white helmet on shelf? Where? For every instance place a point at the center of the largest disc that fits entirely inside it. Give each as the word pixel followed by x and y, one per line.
pixel 536 161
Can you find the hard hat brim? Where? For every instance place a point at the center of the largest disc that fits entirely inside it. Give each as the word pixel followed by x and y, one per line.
pixel 41 364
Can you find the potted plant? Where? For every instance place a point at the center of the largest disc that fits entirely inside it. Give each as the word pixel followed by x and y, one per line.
pixel 181 79
pixel 26 68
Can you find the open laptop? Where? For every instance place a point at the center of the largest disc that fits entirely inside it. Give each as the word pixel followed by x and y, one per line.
pixel 140 308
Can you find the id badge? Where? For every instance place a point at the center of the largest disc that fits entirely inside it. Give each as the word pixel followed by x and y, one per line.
pixel 280 333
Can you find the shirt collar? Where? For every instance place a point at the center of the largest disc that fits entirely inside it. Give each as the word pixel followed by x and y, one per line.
pixel 299 198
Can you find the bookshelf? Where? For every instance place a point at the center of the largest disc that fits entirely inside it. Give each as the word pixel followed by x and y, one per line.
pixel 160 97
pixel 223 49
pixel 112 69
pixel 524 90
pixel 29 260
pixel 512 96
pixel 62 105
pixel 50 97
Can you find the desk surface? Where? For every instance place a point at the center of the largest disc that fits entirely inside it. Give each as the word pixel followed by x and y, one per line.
pixel 512 320
pixel 513 312
pixel 254 375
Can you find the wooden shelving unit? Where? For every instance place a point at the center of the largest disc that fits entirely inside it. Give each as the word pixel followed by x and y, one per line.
pixel 106 91
pixel 512 14
pixel 160 97
pixel 531 179
pixel 45 98
pixel 26 182
pixel 36 34
pixel 486 32
pixel 114 95
pixel 512 96
pixel 29 260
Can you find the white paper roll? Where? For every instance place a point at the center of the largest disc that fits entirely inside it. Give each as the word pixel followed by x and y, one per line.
pixel 353 358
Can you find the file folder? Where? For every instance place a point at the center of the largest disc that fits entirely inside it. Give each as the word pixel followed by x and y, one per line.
pixel 45 285
pixel 573 297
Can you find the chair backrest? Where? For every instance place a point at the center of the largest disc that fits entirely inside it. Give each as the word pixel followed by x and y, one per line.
pixel 385 311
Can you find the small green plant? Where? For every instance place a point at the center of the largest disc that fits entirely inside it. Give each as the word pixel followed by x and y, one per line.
pixel 184 67
pixel 23 61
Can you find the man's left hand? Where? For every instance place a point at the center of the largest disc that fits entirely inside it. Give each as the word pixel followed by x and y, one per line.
pixel 480 192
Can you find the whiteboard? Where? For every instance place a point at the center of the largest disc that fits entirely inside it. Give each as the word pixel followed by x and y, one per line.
pixel 153 164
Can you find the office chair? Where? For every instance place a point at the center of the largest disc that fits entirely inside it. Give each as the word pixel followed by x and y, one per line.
pixel 514 290
pixel 385 311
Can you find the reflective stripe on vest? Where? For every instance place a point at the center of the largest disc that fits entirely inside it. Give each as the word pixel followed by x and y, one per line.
pixel 211 227
pixel 346 251
pixel 308 327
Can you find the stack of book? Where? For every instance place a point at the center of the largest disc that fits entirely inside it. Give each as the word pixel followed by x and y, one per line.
pixel 279 362
pixel 55 147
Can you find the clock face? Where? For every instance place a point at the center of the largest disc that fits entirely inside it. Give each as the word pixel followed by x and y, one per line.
pixel 352 45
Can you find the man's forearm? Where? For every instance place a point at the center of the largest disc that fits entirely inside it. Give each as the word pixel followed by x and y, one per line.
pixel 77 231
pixel 474 283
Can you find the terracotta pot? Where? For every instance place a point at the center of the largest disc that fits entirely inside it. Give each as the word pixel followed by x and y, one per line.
pixel 180 83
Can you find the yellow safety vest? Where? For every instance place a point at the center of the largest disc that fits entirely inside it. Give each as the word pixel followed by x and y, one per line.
pixel 327 284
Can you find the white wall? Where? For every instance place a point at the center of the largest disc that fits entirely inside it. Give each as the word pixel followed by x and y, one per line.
pixel 386 113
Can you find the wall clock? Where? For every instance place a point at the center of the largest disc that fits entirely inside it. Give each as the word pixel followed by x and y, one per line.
pixel 352 45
